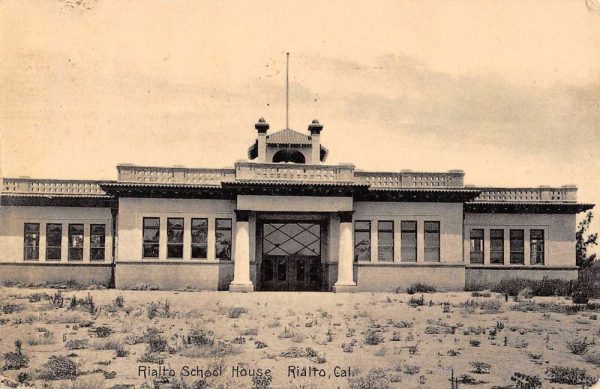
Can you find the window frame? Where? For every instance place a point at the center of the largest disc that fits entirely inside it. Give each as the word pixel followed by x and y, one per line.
pixel 437 247
pixel 36 247
pixel 474 255
pixel 500 259
pixel 72 249
pixel 192 244
pixel 96 248
pixel 367 256
pixel 151 243
pixel 382 231
pixel 514 252
pixel 532 244
pixel 404 248
pixel 175 245
pixel 54 247
pixel 217 229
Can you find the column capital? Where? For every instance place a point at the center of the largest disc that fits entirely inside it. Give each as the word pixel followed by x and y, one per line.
pixel 242 215
pixel 345 216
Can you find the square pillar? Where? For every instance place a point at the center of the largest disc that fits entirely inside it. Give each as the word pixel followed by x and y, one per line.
pixel 241 270
pixel 345 281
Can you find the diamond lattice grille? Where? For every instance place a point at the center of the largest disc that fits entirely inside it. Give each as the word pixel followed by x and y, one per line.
pixel 292 239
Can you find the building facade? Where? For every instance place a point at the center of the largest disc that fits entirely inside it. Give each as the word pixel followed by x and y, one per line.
pixel 283 220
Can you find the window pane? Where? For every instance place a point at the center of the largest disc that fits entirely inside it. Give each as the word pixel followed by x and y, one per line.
pixel 476 252
pixel 152 222
pixel 53 253
pixel 497 246
pixel 150 250
pixel 385 240
pixel 223 239
pixel 199 251
pixel 175 236
pixel 176 223
pixel 432 241
pixel 151 237
pixel 385 225
pixel 362 225
pixel 53 235
pixel 362 246
pixel 517 248
pixel 385 253
pixel 537 247
pixel 201 224
pixel 97 241
pixel 408 241
pixel 175 251
pixel 97 254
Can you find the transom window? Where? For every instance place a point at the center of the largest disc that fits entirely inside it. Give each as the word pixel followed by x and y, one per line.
pixel 362 240
pixel 53 241
pixel 76 242
pixel 303 239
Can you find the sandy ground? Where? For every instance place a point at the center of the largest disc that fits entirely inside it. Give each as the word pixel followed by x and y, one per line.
pixel 327 334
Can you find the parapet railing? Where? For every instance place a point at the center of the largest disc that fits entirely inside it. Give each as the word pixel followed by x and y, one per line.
pixel 409 179
pixel 51 186
pixel 293 172
pixel 566 193
pixel 173 175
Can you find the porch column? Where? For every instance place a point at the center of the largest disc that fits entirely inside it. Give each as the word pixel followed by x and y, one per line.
pixel 241 270
pixel 345 281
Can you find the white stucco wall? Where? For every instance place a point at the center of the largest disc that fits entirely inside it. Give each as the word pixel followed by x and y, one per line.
pixel 448 214
pixel 559 235
pixel 133 210
pixel 13 218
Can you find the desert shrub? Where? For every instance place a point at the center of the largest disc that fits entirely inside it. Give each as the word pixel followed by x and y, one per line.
pixel 580 296
pixel 44 337
pixel 156 344
pixel 416 302
pixel 570 376
pixel 435 330
pixel 578 346
pixel 402 324
pixel 298 338
pixel 376 378
pixel 260 344
pixel 474 342
pixel 101 331
pixel 108 345
pixel 58 368
pixel 593 358
pixel 15 360
pixel 525 381
pixel 120 301
pixel 120 352
pixel 479 293
pixel 373 337
pixel 198 337
pixel 76 344
pixel 9 309
pixel 159 310
pixel 490 306
pixel 411 369
pixel 151 358
pixel 236 312
pixel 249 331
pixel 86 304
pixel 481 367
pixel 261 382
pixel 37 297
pixel 419 288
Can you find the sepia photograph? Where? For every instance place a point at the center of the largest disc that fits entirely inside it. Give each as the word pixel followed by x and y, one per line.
pixel 299 194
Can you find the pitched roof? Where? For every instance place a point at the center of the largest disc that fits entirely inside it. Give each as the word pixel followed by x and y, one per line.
pixel 288 137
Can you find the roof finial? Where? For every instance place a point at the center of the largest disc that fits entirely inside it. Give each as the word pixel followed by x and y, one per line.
pixel 287 91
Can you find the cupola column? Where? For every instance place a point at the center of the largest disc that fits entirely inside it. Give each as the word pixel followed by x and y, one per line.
pixel 261 127
pixel 315 135
pixel 241 270
pixel 345 281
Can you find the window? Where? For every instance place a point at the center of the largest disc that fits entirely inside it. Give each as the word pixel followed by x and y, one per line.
pixel 97 241
pixel 497 246
pixel 477 246
pixel 362 240
pixel 53 241
pixel 31 240
pixel 199 236
pixel 517 246
pixel 76 242
pixel 385 240
pixel 151 237
pixel 536 238
pixel 432 241
pixel 408 241
pixel 174 237
pixel 223 239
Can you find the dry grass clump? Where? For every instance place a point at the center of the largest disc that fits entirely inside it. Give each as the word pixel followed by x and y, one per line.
pixel 43 337
pixel 15 360
pixel 76 344
pixel 570 376
pixel 578 346
pixel 376 378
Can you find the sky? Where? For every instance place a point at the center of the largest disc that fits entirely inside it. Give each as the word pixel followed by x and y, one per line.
pixel 508 91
